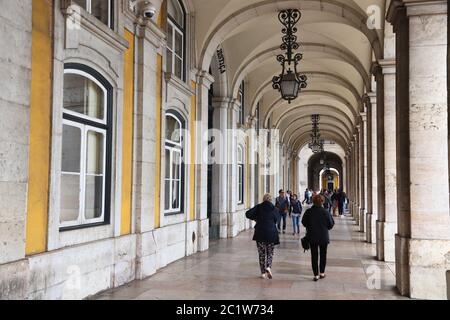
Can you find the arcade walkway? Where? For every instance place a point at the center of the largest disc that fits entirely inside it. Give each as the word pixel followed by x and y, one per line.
pixel 229 271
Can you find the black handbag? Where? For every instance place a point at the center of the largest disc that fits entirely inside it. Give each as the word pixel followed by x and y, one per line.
pixel 305 243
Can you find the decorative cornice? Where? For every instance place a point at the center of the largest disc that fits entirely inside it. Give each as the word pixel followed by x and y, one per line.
pixel 178 84
pixel 424 7
pixel 151 32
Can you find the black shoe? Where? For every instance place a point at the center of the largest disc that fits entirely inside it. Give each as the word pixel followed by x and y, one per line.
pixel 323 276
pixel 316 279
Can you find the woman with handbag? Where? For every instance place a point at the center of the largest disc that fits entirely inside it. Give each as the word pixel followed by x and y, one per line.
pixel 266 234
pixel 318 221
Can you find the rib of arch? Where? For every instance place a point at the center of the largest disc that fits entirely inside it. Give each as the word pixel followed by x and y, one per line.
pixel 306 122
pixel 335 53
pixel 279 102
pixel 310 109
pixel 267 87
pixel 354 17
pixel 303 140
pixel 325 128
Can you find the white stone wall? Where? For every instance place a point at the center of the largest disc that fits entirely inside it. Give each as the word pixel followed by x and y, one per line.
pixel 15 68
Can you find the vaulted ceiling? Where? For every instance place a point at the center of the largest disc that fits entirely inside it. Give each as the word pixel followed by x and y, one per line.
pixel 338 49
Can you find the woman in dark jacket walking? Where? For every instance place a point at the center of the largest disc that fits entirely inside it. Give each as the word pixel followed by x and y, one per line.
pixel 318 221
pixel 266 234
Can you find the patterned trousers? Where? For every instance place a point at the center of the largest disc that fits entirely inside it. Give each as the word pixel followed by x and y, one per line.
pixel 265 251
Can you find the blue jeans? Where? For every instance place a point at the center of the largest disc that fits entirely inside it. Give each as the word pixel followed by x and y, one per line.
pixel 282 217
pixel 296 223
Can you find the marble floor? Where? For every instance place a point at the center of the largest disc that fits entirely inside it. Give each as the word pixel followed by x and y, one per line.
pixel 230 271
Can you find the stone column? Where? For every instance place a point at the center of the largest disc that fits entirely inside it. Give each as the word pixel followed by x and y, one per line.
pixel 369 206
pixel 372 216
pixel 219 188
pixel 423 239
pixel 204 81
pixel 357 176
pixel 388 224
pixel 232 168
pixel 379 168
pixel 351 179
pixel 363 172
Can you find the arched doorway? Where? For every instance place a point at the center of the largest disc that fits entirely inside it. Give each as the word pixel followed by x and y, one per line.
pixel 316 169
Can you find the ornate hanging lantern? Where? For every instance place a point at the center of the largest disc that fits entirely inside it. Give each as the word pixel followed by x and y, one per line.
pixel 289 82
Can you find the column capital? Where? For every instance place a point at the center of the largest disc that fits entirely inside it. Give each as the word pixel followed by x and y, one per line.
pixel 388 66
pixel 221 102
pixel 204 78
pixel 375 69
pixel 234 104
pixel 363 116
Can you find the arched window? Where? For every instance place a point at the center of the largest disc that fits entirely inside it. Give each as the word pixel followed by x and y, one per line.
pixel 174 164
pixel 86 148
pixel 101 9
pixel 240 172
pixel 176 26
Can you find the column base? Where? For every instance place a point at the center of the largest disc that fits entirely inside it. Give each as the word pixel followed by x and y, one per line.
pixel 219 226
pixel 362 220
pixel 370 228
pixel 421 267
pixel 385 239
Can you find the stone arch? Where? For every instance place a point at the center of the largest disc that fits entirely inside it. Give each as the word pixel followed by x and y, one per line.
pixel 355 18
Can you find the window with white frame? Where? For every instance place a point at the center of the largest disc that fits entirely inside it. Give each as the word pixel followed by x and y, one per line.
pixel 240 173
pixel 174 164
pixel 86 148
pixel 101 9
pixel 241 99
pixel 175 38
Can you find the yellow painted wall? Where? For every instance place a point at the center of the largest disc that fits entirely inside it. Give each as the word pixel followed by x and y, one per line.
pixel 127 136
pixel 158 141
pixel 192 162
pixel 40 128
pixel 162 14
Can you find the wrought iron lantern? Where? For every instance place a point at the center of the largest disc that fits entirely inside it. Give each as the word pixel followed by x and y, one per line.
pixel 289 83
pixel 317 143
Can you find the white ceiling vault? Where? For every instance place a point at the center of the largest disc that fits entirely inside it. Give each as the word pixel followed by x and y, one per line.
pixel 338 50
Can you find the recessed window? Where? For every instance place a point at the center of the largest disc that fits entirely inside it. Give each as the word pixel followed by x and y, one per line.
pixel 101 9
pixel 257 118
pixel 174 165
pixel 85 159
pixel 240 172
pixel 175 38
pixel 241 100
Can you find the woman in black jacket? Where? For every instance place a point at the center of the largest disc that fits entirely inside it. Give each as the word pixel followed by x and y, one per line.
pixel 266 234
pixel 318 221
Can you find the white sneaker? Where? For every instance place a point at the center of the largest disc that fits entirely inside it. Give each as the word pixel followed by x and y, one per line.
pixel 269 273
pixel 263 276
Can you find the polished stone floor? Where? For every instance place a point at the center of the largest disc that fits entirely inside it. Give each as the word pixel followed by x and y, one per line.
pixel 230 271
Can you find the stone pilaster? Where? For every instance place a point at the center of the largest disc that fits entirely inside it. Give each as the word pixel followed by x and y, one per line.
pixel 423 239
pixel 388 223
pixel 379 166
pixel 372 216
pixel 204 81
pixel 219 188
pixel 232 145
pixel 363 172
